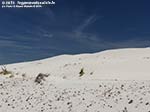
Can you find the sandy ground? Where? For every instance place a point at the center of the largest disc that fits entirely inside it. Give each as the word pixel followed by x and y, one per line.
pixel 113 81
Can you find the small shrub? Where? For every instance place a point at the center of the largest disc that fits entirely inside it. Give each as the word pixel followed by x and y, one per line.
pixel 40 77
pixel 5 71
pixel 81 73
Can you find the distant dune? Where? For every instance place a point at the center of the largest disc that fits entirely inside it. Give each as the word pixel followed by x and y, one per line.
pixel 111 64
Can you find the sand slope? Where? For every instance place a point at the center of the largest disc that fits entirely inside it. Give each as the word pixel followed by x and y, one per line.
pixel 111 64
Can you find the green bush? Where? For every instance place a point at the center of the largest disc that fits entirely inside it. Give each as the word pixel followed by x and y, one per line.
pixel 81 73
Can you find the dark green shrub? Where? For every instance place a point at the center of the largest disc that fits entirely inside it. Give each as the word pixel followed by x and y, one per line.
pixel 81 73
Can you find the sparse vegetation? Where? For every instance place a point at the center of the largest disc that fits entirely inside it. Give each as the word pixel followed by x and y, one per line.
pixel 81 73
pixel 5 71
pixel 40 77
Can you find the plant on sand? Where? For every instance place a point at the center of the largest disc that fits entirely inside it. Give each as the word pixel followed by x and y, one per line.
pixel 40 77
pixel 5 71
pixel 81 73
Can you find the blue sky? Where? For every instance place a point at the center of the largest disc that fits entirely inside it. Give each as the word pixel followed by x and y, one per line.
pixel 71 27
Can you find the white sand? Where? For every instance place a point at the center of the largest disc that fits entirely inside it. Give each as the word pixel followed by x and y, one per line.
pixel 106 86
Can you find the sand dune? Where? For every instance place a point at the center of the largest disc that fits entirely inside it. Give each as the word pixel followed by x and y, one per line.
pixel 113 81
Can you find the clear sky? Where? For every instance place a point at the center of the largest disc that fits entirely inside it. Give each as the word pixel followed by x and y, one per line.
pixel 71 27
